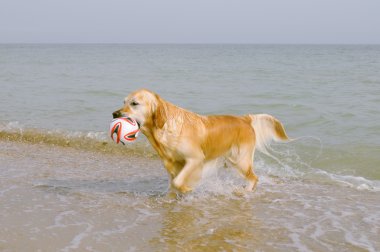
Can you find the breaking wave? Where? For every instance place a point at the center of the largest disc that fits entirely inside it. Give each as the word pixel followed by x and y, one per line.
pixel 91 141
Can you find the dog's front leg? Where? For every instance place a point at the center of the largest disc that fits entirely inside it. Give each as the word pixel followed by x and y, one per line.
pixel 173 168
pixel 189 175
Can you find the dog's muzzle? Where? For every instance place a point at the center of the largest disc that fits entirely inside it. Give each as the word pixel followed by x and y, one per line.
pixel 116 114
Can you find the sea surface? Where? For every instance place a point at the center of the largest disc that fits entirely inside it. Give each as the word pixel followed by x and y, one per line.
pixel 65 186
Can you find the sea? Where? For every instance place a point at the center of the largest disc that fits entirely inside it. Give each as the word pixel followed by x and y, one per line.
pixel 65 186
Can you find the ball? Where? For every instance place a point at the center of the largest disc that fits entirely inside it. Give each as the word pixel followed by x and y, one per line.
pixel 124 130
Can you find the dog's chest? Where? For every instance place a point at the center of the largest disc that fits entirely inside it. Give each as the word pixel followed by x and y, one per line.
pixel 168 138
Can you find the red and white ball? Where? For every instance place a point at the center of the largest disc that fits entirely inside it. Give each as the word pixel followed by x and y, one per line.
pixel 124 130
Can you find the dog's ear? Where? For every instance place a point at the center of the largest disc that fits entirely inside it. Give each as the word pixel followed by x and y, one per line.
pixel 159 113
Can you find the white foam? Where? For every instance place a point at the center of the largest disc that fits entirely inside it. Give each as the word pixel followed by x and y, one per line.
pixel 14 126
pixel 59 218
pixel 100 135
pixel 291 165
pixel 361 242
pixel 297 242
pixel 76 241
pixel 356 182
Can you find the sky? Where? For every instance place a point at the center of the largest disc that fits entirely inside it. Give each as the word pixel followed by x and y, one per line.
pixel 190 21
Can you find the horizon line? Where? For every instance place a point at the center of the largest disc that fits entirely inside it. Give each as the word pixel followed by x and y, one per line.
pixel 174 43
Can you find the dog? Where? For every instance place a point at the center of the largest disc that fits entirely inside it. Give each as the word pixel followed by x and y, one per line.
pixel 186 141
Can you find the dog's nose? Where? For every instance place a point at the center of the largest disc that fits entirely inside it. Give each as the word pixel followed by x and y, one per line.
pixel 116 114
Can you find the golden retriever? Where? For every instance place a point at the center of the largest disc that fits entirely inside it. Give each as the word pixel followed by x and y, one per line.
pixel 186 141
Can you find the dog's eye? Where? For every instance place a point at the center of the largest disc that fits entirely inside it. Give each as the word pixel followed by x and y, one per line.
pixel 134 103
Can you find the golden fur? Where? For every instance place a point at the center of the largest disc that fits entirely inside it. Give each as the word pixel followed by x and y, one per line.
pixel 186 141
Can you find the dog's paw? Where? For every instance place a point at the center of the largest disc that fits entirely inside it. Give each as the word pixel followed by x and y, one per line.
pixel 239 192
pixel 181 187
pixel 250 188
pixel 184 189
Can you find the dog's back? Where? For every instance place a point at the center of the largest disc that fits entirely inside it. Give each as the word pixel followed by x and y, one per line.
pixel 224 132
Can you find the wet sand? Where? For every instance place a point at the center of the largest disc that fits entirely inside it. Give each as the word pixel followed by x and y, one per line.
pixel 56 198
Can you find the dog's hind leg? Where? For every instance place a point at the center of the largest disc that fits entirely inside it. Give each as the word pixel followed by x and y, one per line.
pixel 252 179
pixel 245 167
pixel 243 162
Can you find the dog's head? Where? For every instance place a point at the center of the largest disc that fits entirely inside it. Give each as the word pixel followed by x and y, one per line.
pixel 139 105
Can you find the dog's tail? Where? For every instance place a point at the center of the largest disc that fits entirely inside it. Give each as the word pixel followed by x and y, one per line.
pixel 267 128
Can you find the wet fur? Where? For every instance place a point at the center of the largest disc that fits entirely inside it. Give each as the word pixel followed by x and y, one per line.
pixel 186 141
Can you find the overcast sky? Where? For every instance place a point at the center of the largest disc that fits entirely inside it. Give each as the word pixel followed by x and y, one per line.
pixel 190 21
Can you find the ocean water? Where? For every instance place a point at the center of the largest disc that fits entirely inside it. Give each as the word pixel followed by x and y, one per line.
pixel 65 186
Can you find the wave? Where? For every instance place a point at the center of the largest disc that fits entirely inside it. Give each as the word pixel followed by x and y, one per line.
pixel 90 141
pixel 286 161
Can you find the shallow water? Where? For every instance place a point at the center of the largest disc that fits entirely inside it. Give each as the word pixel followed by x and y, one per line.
pixel 65 186
pixel 62 198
